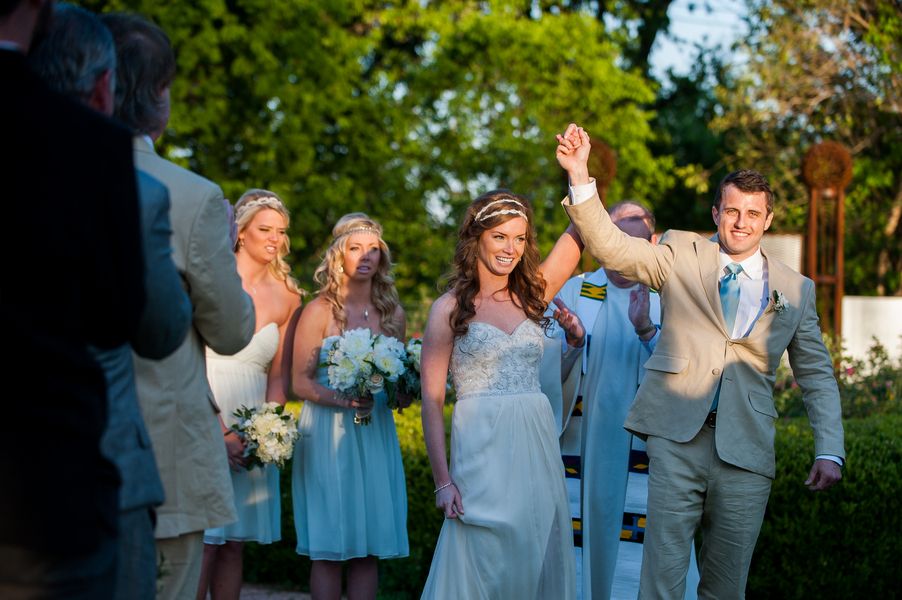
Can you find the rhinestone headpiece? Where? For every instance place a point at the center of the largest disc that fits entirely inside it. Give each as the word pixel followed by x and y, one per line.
pixel 482 216
pixel 267 201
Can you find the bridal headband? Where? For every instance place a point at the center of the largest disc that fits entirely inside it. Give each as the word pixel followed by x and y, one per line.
pixel 266 201
pixel 481 216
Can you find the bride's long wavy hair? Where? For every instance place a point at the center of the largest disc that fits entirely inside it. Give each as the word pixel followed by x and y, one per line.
pixel 525 283
pixel 330 274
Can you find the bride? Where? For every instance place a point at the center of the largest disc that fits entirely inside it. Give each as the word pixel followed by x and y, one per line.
pixel 507 531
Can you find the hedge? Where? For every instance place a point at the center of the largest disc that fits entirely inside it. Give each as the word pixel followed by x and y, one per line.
pixel 843 543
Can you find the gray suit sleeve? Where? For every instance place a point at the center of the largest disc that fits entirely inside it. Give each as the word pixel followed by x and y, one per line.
pixel 223 312
pixel 167 313
pixel 637 259
pixel 813 370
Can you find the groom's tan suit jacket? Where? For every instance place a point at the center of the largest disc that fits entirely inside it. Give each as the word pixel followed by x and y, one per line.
pixel 175 397
pixel 695 351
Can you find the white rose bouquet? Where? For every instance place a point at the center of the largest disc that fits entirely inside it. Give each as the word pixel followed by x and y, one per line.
pixel 361 364
pixel 269 433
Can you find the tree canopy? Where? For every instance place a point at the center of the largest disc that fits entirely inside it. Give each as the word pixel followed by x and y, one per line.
pixel 821 70
pixel 407 110
pixel 397 109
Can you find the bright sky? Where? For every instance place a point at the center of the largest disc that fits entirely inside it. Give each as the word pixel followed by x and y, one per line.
pixel 708 23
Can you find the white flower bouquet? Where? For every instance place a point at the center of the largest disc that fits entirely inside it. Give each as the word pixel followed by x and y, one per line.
pixel 269 433
pixel 361 364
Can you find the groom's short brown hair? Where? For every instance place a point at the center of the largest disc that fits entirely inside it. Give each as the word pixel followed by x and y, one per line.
pixel 748 181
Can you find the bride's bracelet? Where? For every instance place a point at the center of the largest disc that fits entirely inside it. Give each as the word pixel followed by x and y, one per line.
pixel 441 487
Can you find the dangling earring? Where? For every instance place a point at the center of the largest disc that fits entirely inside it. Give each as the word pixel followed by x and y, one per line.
pixel 341 269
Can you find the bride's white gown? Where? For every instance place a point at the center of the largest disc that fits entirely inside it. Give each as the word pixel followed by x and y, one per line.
pixel 514 540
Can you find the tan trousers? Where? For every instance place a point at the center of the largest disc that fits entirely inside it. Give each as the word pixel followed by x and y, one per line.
pixel 690 487
pixel 180 560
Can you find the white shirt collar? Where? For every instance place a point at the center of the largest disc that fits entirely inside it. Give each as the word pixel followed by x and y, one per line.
pixel 148 140
pixel 752 267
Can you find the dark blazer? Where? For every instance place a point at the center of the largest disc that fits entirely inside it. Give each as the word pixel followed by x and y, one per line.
pixel 72 276
pixel 163 326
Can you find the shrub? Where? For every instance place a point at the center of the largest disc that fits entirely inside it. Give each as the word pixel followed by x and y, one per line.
pixel 842 543
pixel 869 386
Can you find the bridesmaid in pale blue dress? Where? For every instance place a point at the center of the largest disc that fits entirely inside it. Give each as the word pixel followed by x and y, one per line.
pixel 350 500
pixel 250 378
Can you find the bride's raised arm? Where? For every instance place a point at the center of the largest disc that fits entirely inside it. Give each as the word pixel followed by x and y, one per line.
pixel 560 263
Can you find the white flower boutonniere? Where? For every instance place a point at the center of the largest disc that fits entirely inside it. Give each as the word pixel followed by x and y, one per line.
pixel 778 302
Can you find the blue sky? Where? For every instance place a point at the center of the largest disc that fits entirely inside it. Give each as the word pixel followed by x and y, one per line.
pixel 709 23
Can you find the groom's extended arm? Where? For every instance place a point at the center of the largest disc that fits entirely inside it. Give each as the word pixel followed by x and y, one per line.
pixel 635 258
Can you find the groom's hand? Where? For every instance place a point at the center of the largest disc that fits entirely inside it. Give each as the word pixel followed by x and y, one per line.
pixel 824 473
pixel 573 153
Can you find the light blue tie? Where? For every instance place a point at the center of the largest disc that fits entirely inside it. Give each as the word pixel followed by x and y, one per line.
pixel 729 301
pixel 729 295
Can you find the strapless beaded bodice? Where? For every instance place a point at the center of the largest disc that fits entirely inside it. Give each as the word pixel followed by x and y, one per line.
pixel 486 360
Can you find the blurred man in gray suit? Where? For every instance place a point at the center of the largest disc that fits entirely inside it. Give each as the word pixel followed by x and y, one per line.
pixel 175 397
pixel 78 59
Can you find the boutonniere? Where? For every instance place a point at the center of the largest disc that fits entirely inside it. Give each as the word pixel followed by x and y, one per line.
pixel 777 302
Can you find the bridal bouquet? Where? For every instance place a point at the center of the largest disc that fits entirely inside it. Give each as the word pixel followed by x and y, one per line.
pixel 269 433
pixel 409 382
pixel 361 364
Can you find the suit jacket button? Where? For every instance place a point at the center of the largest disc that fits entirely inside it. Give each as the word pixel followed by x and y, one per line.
pixel 715 371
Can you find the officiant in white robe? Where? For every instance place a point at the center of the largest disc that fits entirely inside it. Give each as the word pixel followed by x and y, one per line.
pixel 606 467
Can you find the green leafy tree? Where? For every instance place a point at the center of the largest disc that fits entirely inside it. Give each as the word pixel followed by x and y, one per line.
pixel 398 109
pixel 826 70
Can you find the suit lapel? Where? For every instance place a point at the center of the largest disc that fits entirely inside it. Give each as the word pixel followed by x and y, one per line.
pixel 776 280
pixel 709 271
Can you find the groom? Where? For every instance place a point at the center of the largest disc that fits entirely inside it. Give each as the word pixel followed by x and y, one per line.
pixel 706 405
